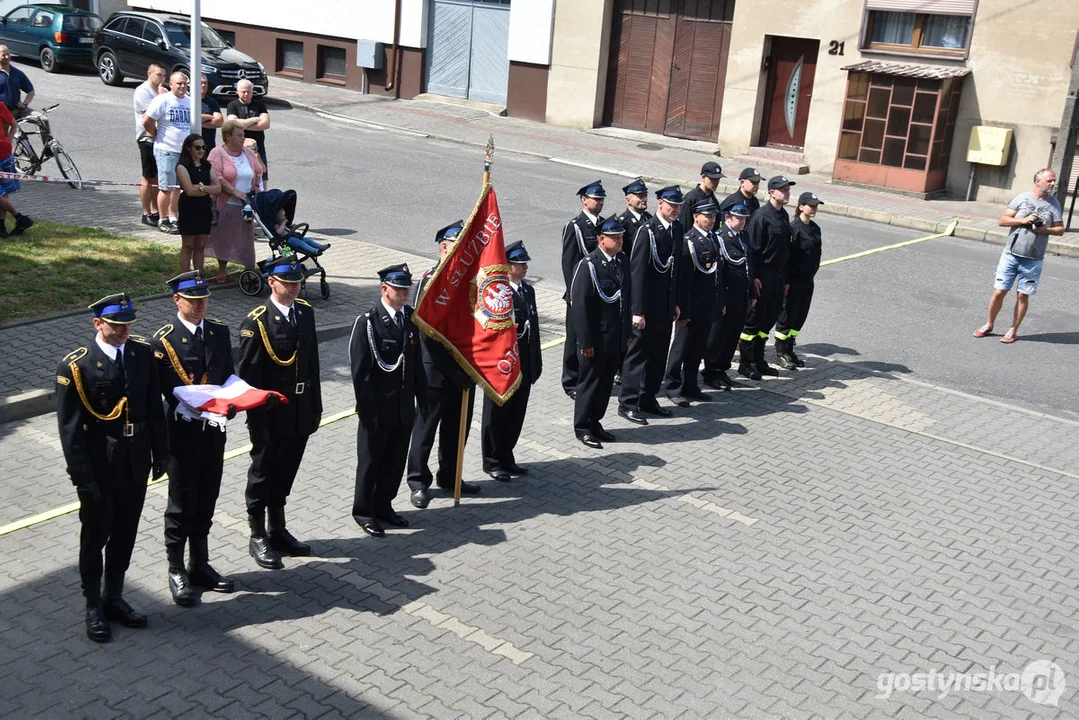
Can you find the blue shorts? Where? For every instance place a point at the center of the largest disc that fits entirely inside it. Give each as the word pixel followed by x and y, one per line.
pixel 1028 270
pixel 8 186
pixel 166 166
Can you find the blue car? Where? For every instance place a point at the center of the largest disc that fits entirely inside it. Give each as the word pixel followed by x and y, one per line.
pixel 54 34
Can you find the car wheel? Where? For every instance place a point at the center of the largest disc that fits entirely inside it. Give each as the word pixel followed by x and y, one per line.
pixel 48 60
pixel 108 70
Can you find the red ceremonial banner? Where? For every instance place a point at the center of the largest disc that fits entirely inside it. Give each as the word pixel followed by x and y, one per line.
pixel 467 304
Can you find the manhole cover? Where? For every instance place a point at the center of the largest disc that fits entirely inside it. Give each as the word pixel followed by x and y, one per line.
pixel 650 146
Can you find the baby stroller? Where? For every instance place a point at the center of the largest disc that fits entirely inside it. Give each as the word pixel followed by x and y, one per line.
pixel 264 210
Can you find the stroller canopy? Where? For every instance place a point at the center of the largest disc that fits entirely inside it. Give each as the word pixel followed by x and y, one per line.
pixel 266 204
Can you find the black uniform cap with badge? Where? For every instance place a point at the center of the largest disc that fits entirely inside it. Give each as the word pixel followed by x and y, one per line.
pixel 712 170
pixel 397 276
pixel 117 309
pixel 809 198
pixel 287 269
pixel 612 226
pixel 190 285
pixel 779 182
pixel 750 174
pixel 705 207
pixel 593 190
pixel 450 232
pixel 671 194
pixel 516 253
pixel 732 206
pixel 637 187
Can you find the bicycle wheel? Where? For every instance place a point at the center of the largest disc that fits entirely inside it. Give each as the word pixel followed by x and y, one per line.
pixel 67 166
pixel 25 157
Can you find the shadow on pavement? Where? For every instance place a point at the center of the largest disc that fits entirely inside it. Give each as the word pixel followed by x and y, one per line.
pixel 1057 338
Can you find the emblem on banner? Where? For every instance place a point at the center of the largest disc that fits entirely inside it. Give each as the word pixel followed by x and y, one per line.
pixel 492 297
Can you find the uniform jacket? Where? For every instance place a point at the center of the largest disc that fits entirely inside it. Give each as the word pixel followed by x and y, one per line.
pixel 179 361
pixel 442 370
pixel 386 398
pixel 694 196
pixel 296 353
pixel 805 251
pixel 578 239
pixel 602 325
pixel 736 270
pixel 655 290
pixel 698 277
pixel 751 203
pixel 526 317
pixel 768 239
pixel 96 450
pixel 632 225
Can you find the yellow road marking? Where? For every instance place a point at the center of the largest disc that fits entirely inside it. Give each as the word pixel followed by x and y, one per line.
pixel 864 253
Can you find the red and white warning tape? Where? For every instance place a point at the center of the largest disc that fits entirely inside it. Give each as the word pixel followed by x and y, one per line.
pixel 47 179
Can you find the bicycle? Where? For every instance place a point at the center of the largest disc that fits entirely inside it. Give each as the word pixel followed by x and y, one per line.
pixel 29 162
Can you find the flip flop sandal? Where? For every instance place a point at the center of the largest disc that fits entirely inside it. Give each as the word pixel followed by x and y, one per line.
pixel 1009 338
pixel 983 331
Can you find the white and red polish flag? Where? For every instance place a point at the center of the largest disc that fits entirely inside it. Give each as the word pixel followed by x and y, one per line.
pixel 211 402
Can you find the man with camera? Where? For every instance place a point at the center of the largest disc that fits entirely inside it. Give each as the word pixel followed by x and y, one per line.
pixel 1032 216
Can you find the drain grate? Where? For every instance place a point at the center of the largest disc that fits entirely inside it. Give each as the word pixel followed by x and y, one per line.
pixel 650 146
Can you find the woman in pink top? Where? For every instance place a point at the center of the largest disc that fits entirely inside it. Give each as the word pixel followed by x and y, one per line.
pixel 239 170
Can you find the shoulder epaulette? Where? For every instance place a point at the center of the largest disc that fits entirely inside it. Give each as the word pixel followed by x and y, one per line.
pixel 303 302
pixel 257 312
pixel 165 330
pixel 75 355
pixel 215 321
pixel 138 339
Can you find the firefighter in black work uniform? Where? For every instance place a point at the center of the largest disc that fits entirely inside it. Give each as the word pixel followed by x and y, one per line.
pixel 192 350
pixel 112 430
pixel 279 351
pixel 700 300
pixel 711 173
pixel 768 238
pixel 736 282
pixel 749 181
pixel 803 266
pixel 502 424
pixel 389 382
pixel 578 239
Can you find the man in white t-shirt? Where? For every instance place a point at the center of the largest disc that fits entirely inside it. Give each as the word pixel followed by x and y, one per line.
pixel 144 95
pixel 168 120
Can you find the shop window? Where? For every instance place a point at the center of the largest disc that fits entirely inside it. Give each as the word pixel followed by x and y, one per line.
pixel 331 64
pixel 290 57
pixel 890 28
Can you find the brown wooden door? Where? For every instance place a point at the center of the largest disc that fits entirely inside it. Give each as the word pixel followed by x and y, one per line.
pixel 640 70
pixel 789 91
pixel 695 96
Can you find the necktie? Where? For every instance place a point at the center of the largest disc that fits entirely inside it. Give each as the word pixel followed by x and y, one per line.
pixel 118 359
pixel 397 319
pixel 292 315
pixel 198 334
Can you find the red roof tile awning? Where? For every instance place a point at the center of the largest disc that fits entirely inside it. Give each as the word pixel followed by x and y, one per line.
pixel 927 72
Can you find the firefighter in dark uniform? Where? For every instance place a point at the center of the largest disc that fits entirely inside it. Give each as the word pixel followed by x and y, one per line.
pixel 803 266
pixel 502 424
pixel 600 293
pixel 388 380
pixel 279 351
pixel 700 299
pixel 768 239
pixel 446 383
pixel 653 269
pixel 711 173
pixel 192 350
pixel 112 430
pixel 635 215
pixel 749 181
pixel 735 282
pixel 578 239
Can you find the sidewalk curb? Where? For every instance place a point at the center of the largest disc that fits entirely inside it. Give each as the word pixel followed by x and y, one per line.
pixel 38 401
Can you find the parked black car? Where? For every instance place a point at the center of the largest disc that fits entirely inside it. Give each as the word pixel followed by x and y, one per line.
pixel 130 41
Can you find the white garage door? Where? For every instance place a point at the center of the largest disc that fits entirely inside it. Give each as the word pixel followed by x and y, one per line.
pixel 467 49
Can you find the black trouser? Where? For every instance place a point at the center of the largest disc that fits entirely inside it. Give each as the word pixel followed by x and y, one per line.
pixel 571 367
pixel 761 317
pixel 687 351
pixel 194 480
pixel 645 363
pixel 444 418
pixel 795 309
pixel 501 428
pixel 593 391
pixel 723 335
pixel 111 523
pixel 275 460
pixel 380 463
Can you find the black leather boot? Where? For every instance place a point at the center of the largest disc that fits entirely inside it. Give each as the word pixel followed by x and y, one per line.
pixel 179 584
pixel 783 354
pixel 201 574
pixel 758 358
pixel 116 608
pixel 281 539
pixel 259 547
pixel 798 362
pixel 97 628
pixel 746 367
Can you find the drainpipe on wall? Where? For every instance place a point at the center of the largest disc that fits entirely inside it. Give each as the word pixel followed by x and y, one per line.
pixel 395 51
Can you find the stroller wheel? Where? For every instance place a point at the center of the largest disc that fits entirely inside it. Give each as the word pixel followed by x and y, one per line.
pixel 324 288
pixel 250 282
